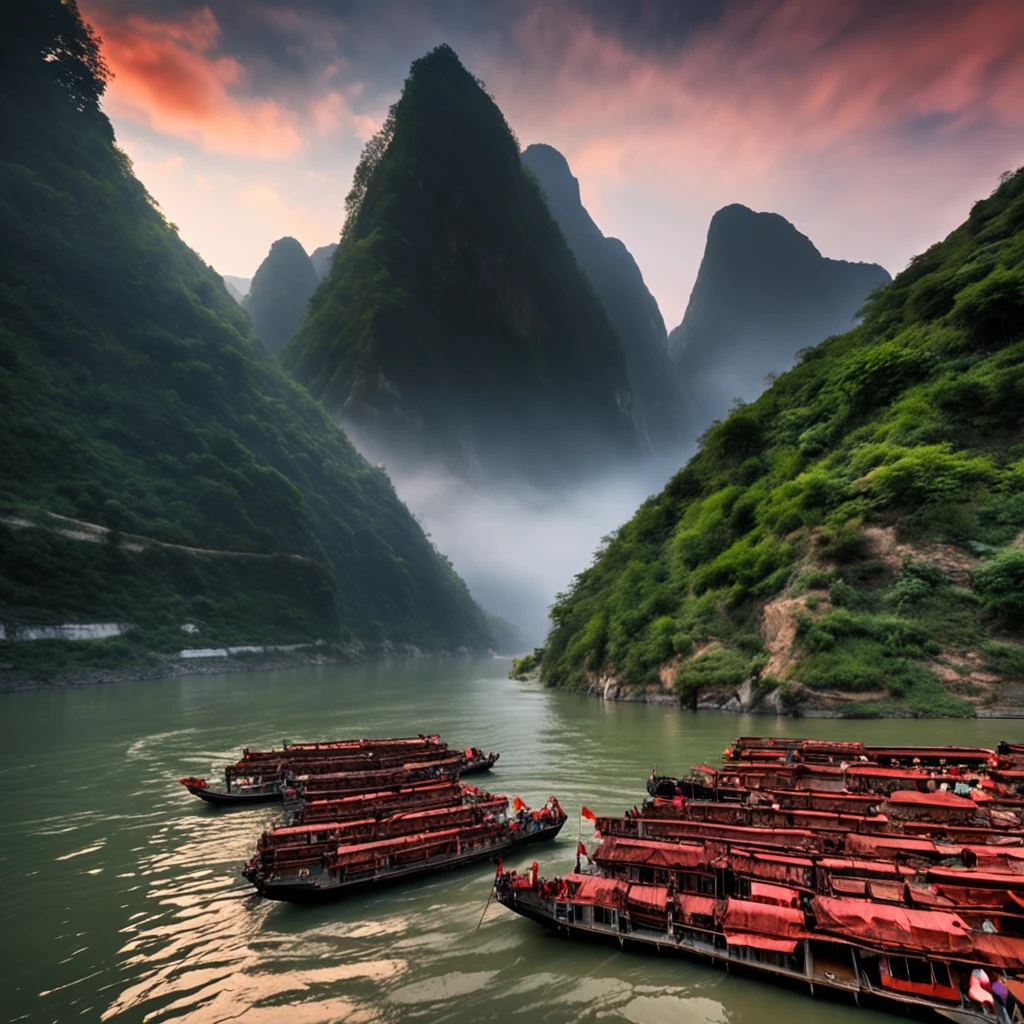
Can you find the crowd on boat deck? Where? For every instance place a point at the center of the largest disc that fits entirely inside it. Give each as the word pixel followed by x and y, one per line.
pixel 526 821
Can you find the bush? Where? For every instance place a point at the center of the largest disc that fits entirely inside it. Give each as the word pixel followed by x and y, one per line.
pixel 999 583
pixel 718 670
pixel 992 311
pixel 917 581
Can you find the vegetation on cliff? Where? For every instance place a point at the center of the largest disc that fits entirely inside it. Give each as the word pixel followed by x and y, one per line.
pixel 455 322
pixel 279 292
pixel 851 538
pixel 134 397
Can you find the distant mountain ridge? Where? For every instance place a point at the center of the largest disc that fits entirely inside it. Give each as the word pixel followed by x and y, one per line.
pixel 322 257
pixel 631 308
pixel 455 324
pixel 280 290
pixel 238 287
pixel 763 293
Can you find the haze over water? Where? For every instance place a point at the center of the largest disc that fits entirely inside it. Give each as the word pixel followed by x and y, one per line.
pixel 124 900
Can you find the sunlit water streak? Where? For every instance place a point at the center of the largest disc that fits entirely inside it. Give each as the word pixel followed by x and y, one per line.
pixel 123 899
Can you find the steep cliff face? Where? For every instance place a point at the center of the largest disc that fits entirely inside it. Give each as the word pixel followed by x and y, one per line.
pixel 135 397
pixel 455 323
pixel 851 541
pixel 280 291
pixel 631 308
pixel 763 292
pixel 322 257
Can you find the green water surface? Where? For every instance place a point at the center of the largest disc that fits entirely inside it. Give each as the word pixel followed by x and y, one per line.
pixel 123 900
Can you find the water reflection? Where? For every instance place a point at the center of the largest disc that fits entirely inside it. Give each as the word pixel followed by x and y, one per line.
pixel 125 900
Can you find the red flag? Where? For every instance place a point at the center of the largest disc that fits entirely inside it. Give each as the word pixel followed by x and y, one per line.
pixel 589 815
pixel 517 804
pixel 581 851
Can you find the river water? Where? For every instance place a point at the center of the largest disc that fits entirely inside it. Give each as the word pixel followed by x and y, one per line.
pixel 123 901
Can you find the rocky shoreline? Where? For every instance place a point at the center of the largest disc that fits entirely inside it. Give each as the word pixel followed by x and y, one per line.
pixel 742 702
pixel 172 666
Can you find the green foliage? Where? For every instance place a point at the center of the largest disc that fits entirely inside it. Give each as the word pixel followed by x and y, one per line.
pixel 524 667
pixel 1000 584
pixel 917 581
pixel 134 396
pixel 913 418
pixel 718 670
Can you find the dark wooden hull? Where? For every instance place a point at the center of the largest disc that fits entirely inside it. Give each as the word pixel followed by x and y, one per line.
pixel 222 798
pixel 480 767
pixel 298 891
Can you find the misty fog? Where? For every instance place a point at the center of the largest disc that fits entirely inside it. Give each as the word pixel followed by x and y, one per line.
pixel 517 546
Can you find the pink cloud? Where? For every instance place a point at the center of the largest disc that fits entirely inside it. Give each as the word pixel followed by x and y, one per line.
pixel 169 76
pixel 768 83
pixel 873 129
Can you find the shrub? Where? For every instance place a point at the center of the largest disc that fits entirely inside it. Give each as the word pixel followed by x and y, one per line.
pixel 992 311
pixel 999 583
pixel 720 669
pixel 917 581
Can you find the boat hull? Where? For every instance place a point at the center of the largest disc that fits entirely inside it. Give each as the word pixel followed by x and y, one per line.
pixel 296 890
pixel 222 798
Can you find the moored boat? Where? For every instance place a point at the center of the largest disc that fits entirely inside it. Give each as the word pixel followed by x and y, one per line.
pixel 889 876
pixel 262 776
pixel 315 863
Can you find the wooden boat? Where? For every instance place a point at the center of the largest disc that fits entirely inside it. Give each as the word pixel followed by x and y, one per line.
pixel 260 791
pixel 260 776
pixel 476 762
pixel 851 870
pixel 310 866
pixel 856 950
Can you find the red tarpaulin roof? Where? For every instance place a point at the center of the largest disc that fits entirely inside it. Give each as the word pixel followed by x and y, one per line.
pixel 864 921
pixel 652 897
pixel 765 892
pixel 874 867
pixel 651 854
pixel 878 771
pixel 689 905
pixel 1000 950
pixel 850 886
pixel 763 918
pixel 881 846
pixel 606 891
pixel 760 942
pixel 976 879
pixel 936 799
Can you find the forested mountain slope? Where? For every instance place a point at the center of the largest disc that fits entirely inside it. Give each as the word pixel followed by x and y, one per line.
pixel 613 273
pixel 134 396
pixel 280 289
pixel 763 292
pixel 852 541
pixel 455 324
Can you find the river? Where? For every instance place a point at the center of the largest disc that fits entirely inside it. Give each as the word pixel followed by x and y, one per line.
pixel 123 900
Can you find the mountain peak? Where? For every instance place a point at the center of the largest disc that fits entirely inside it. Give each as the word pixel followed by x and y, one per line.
pixel 553 172
pixel 763 292
pixel 456 323
pixel 737 228
pixel 280 289
pixel 632 310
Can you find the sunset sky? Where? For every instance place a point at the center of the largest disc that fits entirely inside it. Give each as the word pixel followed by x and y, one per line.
pixel 873 126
